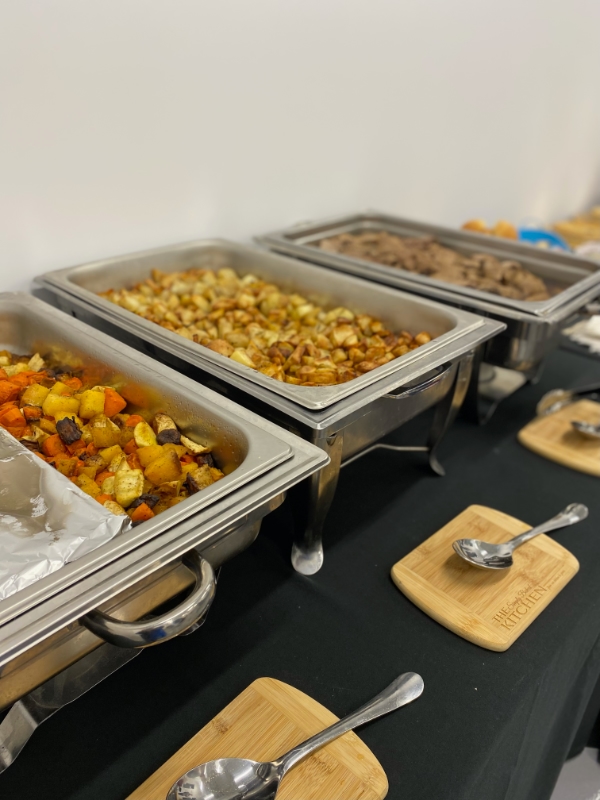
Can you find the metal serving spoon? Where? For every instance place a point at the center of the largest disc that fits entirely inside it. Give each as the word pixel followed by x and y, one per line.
pixel 559 398
pixel 586 429
pixel 499 556
pixel 242 779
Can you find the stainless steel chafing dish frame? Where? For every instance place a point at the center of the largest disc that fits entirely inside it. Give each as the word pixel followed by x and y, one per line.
pixel 578 274
pixel 532 329
pixel 444 324
pixel 344 429
pixel 55 622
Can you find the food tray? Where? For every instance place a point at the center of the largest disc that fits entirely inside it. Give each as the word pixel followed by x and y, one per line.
pixel 399 311
pixel 575 275
pixel 244 443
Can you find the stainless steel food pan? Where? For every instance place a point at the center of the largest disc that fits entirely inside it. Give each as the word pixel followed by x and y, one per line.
pixel 261 461
pixel 574 276
pixel 29 326
pixel 399 311
pixel 342 430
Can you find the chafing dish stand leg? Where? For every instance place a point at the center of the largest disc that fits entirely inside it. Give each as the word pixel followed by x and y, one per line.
pixel 30 711
pixel 445 414
pixel 447 410
pixel 490 385
pixel 311 501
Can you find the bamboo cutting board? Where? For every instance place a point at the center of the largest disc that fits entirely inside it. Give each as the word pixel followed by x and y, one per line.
pixel 490 608
pixel 266 720
pixel 554 438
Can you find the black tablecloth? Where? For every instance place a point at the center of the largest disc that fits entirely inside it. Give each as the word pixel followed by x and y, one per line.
pixel 489 726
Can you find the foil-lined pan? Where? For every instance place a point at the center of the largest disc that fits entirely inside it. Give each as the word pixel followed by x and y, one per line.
pixel 41 628
pixel 45 521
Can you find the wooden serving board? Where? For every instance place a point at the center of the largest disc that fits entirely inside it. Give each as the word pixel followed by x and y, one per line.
pixel 553 437
pixel 266 720
pixel 490 608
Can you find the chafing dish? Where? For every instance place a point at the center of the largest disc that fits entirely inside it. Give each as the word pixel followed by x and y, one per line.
pixel 345 420
pixel 532 328
pixel 67 615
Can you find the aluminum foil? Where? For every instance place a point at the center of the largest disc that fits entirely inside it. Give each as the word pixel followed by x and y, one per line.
pixel 45 520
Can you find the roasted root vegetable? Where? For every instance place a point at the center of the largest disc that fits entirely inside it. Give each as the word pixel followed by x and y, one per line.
pixel 282 335
pixel 129 464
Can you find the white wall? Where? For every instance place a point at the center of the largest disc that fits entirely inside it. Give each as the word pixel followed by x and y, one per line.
pixel 126 124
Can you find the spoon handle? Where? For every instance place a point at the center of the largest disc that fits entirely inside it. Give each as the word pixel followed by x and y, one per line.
pixel 571 514
pixel 402 691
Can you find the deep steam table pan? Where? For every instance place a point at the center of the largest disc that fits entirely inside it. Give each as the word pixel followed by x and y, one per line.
pixel 49 626
pixel 344 420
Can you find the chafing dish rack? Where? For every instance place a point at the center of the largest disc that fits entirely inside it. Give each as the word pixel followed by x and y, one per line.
pixel 344 420
pixel 62 634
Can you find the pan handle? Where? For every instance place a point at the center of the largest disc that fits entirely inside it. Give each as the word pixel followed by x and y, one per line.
pixel 420 387
pixel 167 626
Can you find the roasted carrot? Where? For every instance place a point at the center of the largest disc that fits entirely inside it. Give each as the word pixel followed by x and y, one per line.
pixel 8 391
pixel 142 513
pixel 186 459
pixel 18 433
pixel 130 447
pixel 133 420
pixel 22 379
pixel 91 449
pixel 102 498
pixel 53 445
pixel 113 402
pixel 39 455
pixel 13 418
pixel 76 448
pixel 31 413
pixel 102 476
pixel 73 383
pixel 134 461
pixel 3 375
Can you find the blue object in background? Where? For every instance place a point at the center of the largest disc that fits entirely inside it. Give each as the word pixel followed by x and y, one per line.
pixel 536 235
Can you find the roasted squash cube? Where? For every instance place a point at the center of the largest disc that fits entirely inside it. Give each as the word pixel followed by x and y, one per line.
pixel 87 485
pixel 92 403
pixel 164 469
pixel 104 431
pixel 147 454
pixel 34 395
pixel 60 388
pixel 66 466
pixel 178 449
pixel 56 404
pixel 108 453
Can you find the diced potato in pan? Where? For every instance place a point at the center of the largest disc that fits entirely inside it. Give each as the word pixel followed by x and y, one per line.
pixel 263 327
pixel 129 485
pixel 144 435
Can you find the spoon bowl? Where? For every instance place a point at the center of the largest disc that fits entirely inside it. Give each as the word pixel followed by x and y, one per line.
pixel 484 554
pixel 228 779
pixel 586 429
pixel 500 556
